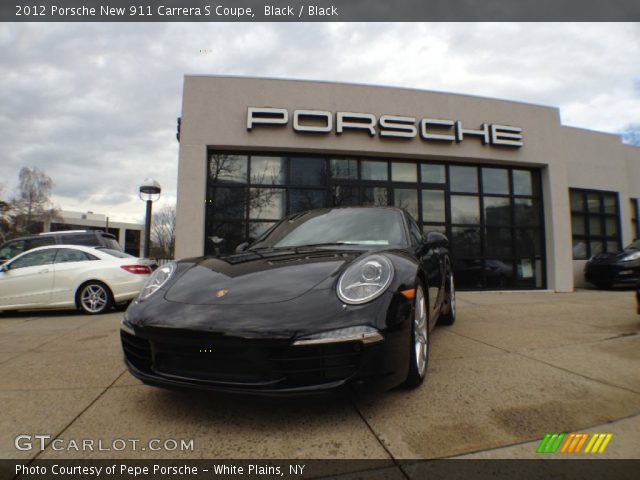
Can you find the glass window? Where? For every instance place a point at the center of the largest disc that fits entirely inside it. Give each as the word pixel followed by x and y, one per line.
pixel 497 211
pixel 227 203
pixel 86 239
pixel 11 249
pixel 526 211
pixel 44 240
pixel 463 179
pixel 344 169
pixel 498 242
pixel 224 237
pixel 528 242
pixel 301 200
pixel 466 241
pixel 577 201
pixel 308 171
pixel 498 273
pixel 68 255
pixel 433 206
pixel 594 224
pixel 465 209
pixel 267 203
pixel 593 202
pixel 34 259
pixel 344 196
pixel 432 173
pixel 404 172
pixel 376 196
pixel 373 170
pixel 225 168
pixel 578 224
pixel 495 180
pixel 610 201
pixel 268 170
pixel 522 184
pixel 407 199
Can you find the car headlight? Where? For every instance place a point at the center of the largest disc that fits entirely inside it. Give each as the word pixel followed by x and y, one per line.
pixel 157 280
pixel 631 257
pixel 365 280
pixel 362 334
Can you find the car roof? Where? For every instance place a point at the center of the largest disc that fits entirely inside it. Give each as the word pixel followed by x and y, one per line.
pixel 49 247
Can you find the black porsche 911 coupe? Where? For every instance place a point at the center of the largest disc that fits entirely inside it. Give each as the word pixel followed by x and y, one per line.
pixel 325 299
pixel 611 268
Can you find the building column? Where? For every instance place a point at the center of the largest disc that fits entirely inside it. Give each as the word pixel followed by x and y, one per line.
pixel 557 224
pixel 190 208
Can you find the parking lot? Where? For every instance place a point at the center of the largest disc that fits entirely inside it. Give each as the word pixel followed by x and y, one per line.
pixel 514 367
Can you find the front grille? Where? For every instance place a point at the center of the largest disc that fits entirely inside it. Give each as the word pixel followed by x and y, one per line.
pixel 137 351
pixel 251 362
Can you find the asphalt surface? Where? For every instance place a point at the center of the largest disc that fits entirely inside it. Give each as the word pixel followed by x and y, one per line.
pixel 514 367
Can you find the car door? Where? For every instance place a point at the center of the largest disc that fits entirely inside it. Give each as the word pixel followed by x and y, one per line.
pixel 27 280
pixel 70 268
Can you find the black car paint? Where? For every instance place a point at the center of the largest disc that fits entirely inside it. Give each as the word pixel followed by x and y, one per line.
pixel 607 269
pixel 279 295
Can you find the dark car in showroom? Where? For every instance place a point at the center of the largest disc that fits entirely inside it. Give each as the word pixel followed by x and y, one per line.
pixel 611 268
pixel 325 299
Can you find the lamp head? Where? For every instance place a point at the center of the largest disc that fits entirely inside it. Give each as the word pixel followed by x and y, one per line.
pixel 150 187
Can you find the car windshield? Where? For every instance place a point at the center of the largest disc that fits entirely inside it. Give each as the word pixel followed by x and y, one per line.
pixel 351 226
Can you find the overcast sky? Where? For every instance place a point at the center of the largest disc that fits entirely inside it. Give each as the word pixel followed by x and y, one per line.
pixel 95 105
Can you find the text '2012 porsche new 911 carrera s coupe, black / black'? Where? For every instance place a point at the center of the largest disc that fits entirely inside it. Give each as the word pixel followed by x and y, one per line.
pixel 325 299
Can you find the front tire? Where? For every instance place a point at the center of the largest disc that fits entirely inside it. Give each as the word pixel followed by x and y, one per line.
pixel 94 298
pixel 419 357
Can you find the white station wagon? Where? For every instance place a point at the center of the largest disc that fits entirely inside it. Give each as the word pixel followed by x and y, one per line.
pixel 68 276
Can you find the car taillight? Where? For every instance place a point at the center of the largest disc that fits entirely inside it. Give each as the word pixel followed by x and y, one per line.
pixel 137 269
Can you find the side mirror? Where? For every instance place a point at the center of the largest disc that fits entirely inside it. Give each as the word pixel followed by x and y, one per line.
pixel 242 247
pixel 5 268
pixel 436 239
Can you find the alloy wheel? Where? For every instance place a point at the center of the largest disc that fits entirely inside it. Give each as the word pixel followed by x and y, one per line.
pixel 421 331
pixel 94 298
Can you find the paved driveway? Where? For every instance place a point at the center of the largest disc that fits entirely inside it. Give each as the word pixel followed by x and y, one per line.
pixel 515 366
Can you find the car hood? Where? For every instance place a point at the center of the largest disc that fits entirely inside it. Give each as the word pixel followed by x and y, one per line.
pixel 257 277
pixel 611 257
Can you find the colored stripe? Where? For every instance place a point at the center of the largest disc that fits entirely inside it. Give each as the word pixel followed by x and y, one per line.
pixel 576 439
pixel 605 443
pixel 596 445
pixel 543 443
pixel 557 443
pixel 570 438
pixel 590 444
pixel 582 440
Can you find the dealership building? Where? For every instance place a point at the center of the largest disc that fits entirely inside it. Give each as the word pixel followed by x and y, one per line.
pixel 524 200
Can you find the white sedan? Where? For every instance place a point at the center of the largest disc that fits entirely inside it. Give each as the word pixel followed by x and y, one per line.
pixel 64 276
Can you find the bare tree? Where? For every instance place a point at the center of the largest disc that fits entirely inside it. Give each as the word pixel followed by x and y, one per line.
pixel 31 208
pixel 163 231
pixel 5 219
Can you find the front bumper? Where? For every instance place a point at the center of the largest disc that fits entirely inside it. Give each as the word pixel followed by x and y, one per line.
pixel 197 360
pixel 611 273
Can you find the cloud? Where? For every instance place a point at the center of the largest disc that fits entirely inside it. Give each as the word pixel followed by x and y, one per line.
pixel 95 105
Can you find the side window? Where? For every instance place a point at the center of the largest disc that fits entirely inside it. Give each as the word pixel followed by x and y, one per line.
pixel 66 255
pixel 414 231
pixel 11 249
pixel 86 239
pixel 42 241
pixel 34 259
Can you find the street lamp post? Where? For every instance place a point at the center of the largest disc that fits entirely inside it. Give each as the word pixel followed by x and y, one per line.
pixel 149 192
